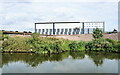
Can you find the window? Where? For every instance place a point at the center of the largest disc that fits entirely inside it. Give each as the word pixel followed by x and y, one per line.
pixel 46 30
pixel 69 33
pixel 50 30
pixel 70 30
pixel 57 33
pixel 39 31
pixel 46 33
pixel 74 29
pixel 50 33
pixel 62 30
pixel 43 30
pixel 58 30
pixel 73 33
pixel 66 30
pixel 55 30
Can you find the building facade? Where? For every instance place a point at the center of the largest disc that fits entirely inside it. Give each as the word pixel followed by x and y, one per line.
pixel 67 28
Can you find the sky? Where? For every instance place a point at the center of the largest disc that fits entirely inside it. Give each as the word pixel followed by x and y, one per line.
pixel 20 15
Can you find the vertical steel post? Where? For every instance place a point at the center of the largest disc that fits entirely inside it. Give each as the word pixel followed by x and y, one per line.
pixel 53 28
pixel 88 30
pixel 35 28
pixel 103 27
pixel 83 27
pixel 39 31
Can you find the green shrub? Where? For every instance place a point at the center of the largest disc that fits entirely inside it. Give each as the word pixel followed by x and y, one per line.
pixel 65 44
pixel 15 43
pixel 4 37
pixel 81 46
pixel 73 46
pixel 111 41
pixel 97 33
pixel 40 44
pixel 102 45
pixel 77 46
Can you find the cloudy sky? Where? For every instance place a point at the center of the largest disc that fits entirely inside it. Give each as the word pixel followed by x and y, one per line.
pixel 20 15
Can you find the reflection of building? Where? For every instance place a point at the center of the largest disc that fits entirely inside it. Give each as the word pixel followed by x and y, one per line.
pixel 67 28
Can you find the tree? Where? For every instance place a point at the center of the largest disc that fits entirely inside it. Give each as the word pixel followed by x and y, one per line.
pixel 114 31
pixel 16 31
pixel 29 32
pixel 24 31
pixel 97 33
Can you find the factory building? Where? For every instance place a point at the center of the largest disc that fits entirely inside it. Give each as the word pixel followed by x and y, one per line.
pixel 67 28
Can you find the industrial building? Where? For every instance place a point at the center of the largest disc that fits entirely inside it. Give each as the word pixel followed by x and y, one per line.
pixel 67 28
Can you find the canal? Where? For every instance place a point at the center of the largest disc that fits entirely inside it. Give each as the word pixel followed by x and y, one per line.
pixel 68 62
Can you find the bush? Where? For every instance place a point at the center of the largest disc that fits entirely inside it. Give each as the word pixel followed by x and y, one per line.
pixel 116 47
pixel 77 46
pixel 111 41
pixel 73 46
pixel 45 45
pixel 102 45
pixel 115 44
pixel 65 44
pixel 15 43
pixel 5 37
pixel 48 45
pixel 81 45
pixel 97 33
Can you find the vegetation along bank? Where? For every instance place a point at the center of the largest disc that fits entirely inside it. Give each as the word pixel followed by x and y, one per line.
pixel 38 44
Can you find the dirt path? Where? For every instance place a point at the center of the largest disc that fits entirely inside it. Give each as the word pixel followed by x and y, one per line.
pixel 86 37
pixel 80 37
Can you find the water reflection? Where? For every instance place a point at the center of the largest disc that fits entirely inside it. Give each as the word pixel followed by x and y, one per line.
pixel 0 63
pixel 0 71
pixel 36 59
pixel 77 55
pixel 32 59
pixel 98 57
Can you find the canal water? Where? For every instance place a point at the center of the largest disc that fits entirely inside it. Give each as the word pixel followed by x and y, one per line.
pixel 68 62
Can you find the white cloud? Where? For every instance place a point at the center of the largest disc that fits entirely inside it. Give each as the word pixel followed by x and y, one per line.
pixel 22 15
pixel 59 0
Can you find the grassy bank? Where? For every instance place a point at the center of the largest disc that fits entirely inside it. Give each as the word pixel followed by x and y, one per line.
pixel 39 44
